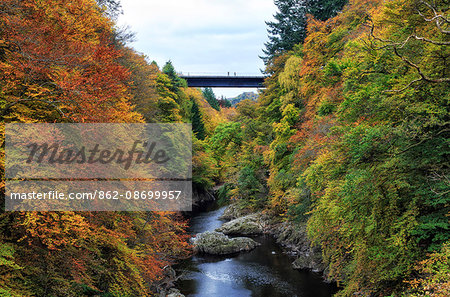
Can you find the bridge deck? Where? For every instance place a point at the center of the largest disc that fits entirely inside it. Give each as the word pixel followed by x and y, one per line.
pixel 224 81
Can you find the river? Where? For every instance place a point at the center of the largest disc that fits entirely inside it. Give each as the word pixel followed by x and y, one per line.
pixel 265 271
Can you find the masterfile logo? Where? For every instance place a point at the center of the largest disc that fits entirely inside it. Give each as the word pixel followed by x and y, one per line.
pixel 98 167
pixel 57 155
pixel 98 151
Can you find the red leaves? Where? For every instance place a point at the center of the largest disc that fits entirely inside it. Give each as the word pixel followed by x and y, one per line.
pixel 62 53
pixel 131 248
pixel 59 62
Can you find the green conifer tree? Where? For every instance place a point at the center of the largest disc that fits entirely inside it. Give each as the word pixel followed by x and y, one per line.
pixel 197 121
pixel 178 82
pixel 288 29
pixel 211 98
pixel 324 9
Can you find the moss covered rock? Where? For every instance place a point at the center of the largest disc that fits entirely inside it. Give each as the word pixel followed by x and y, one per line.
pixel 248 225
pixel 216 243
pixel 234 211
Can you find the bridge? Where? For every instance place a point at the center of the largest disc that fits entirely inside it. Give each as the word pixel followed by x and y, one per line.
pixel 224 81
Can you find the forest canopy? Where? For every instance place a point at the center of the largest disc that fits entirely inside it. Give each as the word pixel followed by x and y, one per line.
pixel 349 137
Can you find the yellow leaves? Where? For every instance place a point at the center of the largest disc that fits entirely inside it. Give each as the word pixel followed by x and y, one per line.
pixel 55 230
pixel 37 91
pixel 123 113
pixel 434 272
pixel 394 10
pixel 79 19
pixel 289 78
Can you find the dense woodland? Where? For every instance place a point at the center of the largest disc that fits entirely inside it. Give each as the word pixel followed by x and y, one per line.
pixel 350 136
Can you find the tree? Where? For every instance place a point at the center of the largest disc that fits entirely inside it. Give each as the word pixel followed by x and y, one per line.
pixel 197 121
pixel 211 98
pixel 324 9
pixel 60 61
pixel 111 8
pixel 142 83
pixel 224 103
pixel 225 144
pixel 169 109
pixel 176 86
pixel 58 64
pixel 288 29
pixel 178 82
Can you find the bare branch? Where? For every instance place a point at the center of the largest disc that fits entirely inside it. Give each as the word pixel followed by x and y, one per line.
pixel 402 44
pixel 424 77
pixel 438 18
pixel 439 193
pixel 402 89
pixel 428 40
pixel 399 45
pixel 440 177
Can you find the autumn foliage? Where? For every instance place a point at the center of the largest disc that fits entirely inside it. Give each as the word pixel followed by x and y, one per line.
pixel 63 61
pixel 350 137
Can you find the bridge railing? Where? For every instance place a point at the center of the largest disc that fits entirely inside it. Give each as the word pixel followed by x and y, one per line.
pixel 234 73
pixel 227 81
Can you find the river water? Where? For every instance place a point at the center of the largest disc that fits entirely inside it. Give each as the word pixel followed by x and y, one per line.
pixel 265 271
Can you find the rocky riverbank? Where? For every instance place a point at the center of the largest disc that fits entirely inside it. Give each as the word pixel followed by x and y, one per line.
pixel 229 238
pixel 291 236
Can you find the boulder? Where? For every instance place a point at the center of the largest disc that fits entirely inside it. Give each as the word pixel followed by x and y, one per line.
pixel 233 211
pixel 309 260
pixel 216 243
pixel 248 225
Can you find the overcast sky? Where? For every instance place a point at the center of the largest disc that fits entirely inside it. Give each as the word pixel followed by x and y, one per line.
pixel 201 36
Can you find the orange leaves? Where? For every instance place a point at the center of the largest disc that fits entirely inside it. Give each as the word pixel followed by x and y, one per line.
pixel 321 80
pixel 109 251
pixel 63 53
pixel 53 230
pixel 62 58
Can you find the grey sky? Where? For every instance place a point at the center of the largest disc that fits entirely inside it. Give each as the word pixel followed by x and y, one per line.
pixel 201 36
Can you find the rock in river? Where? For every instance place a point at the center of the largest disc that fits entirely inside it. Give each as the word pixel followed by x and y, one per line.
pixel 248 225
pixel 216 243
pixel 234 211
